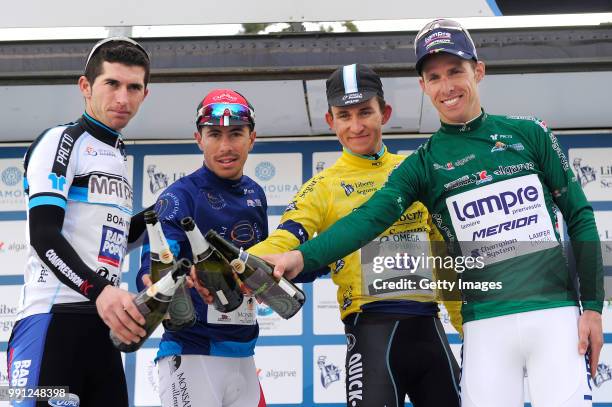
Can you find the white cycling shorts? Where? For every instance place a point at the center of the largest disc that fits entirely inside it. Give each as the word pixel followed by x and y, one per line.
pixel 497 352
pixel 210 381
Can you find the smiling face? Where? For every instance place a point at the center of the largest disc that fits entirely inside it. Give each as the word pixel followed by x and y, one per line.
pixel 452 85
pixel 225 148
pixel 359 127
pixel 116 94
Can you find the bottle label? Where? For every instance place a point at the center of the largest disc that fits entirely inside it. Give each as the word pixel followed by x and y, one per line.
pixel 245 314
pixel 222 297
pixel 286 287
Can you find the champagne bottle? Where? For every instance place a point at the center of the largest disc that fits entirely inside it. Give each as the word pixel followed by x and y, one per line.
pixel 279 294
pixel 181 313
pixel 213 270
pixel 153 303
pixel 162 259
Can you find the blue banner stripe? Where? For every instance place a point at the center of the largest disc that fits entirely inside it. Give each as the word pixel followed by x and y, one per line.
pixel 47 200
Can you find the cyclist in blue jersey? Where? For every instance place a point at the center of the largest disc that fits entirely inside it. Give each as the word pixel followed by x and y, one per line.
pixel 79 227
pixel 212 362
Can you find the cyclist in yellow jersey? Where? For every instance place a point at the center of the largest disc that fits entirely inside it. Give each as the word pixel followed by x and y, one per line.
pixel 396 344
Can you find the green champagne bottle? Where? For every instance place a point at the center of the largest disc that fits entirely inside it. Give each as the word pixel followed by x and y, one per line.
pixel 153 303
pixel 279 294
pixel 213 270
pixel 181 313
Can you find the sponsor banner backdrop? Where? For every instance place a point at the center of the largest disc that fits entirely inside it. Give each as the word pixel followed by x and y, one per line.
pixel 326 315
pixel 3 375
pixel 280 371
pixel 280 175
pixel 593 168
pixel 159 171
pixel 329 373
pixel 146 387
pixel 12 197
pixel 405 152
pixel 9 299
pixel 13 247
pixel 300 361
pixel 273 221
pixel 321 161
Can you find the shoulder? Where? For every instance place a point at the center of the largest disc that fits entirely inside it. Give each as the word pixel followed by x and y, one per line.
pixel 528 123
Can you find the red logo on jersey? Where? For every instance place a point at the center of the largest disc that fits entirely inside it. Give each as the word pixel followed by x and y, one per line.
pixel 85 287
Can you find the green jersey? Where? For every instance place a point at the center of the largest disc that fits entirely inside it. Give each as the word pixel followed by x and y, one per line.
pixel 492 187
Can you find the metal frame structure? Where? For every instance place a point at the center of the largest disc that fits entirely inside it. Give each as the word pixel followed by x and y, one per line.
pixel 312 55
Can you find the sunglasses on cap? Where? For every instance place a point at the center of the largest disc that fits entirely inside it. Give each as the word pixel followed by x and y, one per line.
pixel 441 24
pixel 225 114
pixel 114 39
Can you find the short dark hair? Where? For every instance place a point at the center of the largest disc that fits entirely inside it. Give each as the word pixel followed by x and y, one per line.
pixel 121 52
pixel 381 103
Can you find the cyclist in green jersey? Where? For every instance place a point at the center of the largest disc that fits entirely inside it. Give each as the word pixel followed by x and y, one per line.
pixel 492 184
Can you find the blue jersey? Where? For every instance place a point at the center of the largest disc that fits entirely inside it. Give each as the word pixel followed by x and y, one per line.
pixel 236 209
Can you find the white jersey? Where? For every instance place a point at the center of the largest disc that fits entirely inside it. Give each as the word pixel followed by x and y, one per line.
pixel 82 168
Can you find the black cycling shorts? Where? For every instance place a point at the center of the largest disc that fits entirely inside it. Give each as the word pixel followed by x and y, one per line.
pixel 390 356
pixel 67 350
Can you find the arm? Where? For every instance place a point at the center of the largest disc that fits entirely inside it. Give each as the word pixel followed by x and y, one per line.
pixel 450 299
pixel 138 230
pixel 578 214
pixel 369 220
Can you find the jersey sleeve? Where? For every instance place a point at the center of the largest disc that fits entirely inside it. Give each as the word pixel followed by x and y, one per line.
pixel 450 298
pixel 578 214
pixel 50 168
pixel 369 220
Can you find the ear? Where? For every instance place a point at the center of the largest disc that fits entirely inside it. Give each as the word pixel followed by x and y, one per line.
pixel 146 92
pixel 387 113
pixel 252 138
pixel 480 71
pixel 198 138
pixel 329 119
pixel 84 87
pixel 422 83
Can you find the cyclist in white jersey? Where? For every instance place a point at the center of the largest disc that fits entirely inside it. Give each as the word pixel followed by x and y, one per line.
pixel 79 224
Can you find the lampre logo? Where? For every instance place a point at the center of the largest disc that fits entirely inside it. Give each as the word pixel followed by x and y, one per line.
pixel 489 204
pixel 112 246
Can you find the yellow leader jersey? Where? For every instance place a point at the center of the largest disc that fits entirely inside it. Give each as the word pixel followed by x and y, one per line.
pixel 332 194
